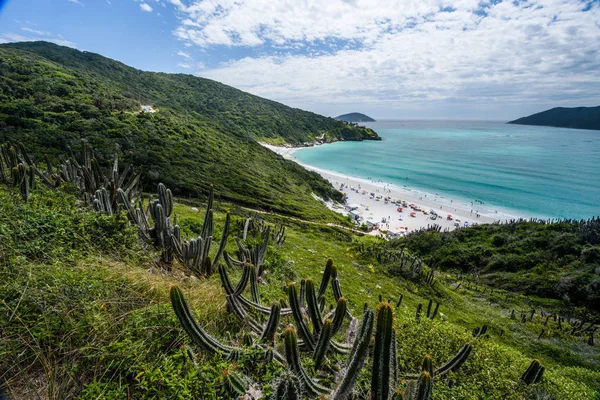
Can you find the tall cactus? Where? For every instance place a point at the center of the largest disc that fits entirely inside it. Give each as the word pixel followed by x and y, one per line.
pixel 191 327
pixel 534 373
pixel 293 359
pixel 305 334
pixel 457 361
pixel 380 379
pixel 268 334
pixel 313 307
pixel 329 273
pixel 323 343
pixel 357 357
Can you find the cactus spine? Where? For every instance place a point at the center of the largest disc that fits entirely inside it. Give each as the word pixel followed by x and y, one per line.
pixel 380 379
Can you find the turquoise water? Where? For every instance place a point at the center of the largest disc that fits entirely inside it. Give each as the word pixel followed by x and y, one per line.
pixel 520 170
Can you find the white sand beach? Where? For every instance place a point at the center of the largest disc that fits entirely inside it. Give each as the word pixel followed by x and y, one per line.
pixel 369 197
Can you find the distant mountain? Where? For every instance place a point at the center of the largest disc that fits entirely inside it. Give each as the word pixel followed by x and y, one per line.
pixel 562 117
pixel 354 117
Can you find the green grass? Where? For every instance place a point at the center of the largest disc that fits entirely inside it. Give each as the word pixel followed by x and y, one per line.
pixel 84 313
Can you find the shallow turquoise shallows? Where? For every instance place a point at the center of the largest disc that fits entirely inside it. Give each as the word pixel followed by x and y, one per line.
pixel 521 170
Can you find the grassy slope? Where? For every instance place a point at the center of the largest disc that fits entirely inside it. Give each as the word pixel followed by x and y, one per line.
pixel 559 260
pixel 78 313
pixel 50 107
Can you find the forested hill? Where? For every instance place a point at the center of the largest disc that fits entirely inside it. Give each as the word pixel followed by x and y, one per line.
pixel 355 117
pixel 238 111
pixel 577 118
pixel 52 97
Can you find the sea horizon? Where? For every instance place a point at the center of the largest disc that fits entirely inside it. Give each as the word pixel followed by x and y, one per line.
pixel 508 170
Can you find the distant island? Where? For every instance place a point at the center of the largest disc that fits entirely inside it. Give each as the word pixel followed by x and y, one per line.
pixel 355 117
pixel 562 117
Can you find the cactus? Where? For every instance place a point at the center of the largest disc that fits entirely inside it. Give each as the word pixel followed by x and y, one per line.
pixel 457 361
pixel 254 285
pixel 323 343
pixel 293 360
pixel 329 273
pixel 399 302
pixel 236 382
pixel 279 235
pixel 340 312
pixel 435 311
pixel 380 379
pixel 194 331
pixel 268 334
pixel 394 359
pixel 534 373
pixel 477 332
pixel 357 357
pixel 418 313
pixel 255 255
pixel 313 307
pixel 287 388
pixel 305 335
pixel 424 387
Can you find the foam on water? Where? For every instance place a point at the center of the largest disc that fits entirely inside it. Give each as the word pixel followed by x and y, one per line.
pixel 514 170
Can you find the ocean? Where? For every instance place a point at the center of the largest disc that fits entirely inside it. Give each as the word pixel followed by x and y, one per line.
pixel 510 170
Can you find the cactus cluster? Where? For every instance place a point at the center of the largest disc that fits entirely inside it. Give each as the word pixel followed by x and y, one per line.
pixel 17 168
pixel 254 254
pixel 100 190
pixel 314 332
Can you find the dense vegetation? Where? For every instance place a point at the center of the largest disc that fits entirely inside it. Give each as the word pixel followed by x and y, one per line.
pixel 559 260
pixel 85 313
pixel 354 117
pixel 563 117
pixel 52 97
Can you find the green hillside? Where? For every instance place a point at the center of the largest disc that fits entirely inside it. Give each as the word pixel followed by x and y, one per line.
pixel 564 117
pixel 85 314
pixel 52 97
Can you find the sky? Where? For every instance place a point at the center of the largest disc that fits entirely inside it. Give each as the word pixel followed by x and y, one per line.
pixel 390 59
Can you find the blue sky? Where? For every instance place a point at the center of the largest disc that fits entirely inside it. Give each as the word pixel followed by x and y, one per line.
pixel 435 59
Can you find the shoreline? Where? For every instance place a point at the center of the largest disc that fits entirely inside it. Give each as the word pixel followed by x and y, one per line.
pixel 358 191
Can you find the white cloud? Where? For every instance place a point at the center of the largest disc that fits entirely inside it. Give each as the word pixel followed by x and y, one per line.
pixel 35 31
pixel 145 7
pixel 75 2
pixel 184 65
pixel 16 37
pixel 402 53
pixel 184 54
